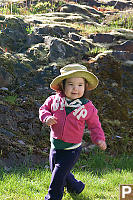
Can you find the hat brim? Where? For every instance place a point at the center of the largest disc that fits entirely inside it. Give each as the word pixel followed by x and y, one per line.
pixel 90 78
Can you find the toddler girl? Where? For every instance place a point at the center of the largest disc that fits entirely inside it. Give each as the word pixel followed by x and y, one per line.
pixel 66 113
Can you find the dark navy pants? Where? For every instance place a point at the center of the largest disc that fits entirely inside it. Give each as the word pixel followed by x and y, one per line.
pixel 61 162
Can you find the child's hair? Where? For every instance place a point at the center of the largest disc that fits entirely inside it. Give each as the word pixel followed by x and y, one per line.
pixel 62 88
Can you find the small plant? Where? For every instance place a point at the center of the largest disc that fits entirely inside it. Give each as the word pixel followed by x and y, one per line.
pixel 29 29
pixel 11 99
pixel 42 7
pixel 96 50
pixel 107 8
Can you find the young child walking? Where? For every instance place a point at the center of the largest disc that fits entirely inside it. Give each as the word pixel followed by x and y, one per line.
pixel 66 113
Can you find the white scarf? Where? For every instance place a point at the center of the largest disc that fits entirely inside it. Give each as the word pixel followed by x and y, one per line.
pixel 76 103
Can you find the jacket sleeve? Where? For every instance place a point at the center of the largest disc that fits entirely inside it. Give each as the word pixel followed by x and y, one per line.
pixel 94 126
pixel 45 110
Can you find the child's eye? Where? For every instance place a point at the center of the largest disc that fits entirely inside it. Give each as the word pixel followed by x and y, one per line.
pixel 80 85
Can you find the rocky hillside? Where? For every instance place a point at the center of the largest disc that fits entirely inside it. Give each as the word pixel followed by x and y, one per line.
pixel 34 48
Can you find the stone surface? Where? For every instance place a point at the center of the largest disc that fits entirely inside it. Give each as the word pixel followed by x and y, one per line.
pixel 31 58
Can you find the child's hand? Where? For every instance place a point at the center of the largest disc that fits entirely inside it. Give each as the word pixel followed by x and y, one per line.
pixel 102 145
pixel 51 121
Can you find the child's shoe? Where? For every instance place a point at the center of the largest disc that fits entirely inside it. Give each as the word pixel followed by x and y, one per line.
pixel 76 188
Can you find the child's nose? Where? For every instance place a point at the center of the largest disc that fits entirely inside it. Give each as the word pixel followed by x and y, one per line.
pixel 75 88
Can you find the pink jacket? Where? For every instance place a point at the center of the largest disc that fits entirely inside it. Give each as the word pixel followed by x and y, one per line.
pixel 70 128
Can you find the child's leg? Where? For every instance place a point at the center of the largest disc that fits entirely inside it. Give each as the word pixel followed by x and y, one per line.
pixel 74 185
pixel 61 162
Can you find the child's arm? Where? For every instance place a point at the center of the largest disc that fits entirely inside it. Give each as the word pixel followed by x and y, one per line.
pixel 51 121
pixel 45 110
pixel 96 131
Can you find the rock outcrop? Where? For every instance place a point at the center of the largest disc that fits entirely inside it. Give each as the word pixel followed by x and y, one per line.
pixel 32 50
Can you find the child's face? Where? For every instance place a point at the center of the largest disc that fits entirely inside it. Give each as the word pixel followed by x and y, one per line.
pixel 74 88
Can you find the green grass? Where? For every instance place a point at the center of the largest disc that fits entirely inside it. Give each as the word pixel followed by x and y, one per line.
pixel 21 9
pixel 101 173
pixel 11 99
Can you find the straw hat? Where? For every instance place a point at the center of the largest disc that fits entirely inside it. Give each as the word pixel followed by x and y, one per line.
pixel 74 70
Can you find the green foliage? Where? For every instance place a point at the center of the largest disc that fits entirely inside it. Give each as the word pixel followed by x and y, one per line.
pixel 85 30
pixel 121 20
pixel 29 29
pixel 11 99
pixel 21 9
pixel 42 7
pixel 107 7
pixel 96 50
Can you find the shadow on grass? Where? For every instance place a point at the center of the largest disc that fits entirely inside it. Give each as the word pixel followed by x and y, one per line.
pixel 99 162
pixel 21 170
pixel 79 197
